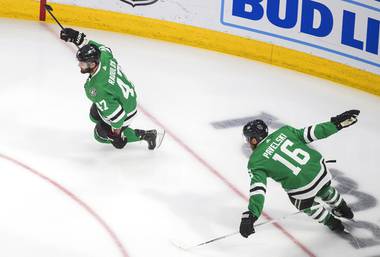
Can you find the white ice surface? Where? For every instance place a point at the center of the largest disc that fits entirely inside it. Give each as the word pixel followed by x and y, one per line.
pixel 148 199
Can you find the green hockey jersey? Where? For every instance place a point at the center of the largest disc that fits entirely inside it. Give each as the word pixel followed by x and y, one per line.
pixel 111 91
pixel 285 157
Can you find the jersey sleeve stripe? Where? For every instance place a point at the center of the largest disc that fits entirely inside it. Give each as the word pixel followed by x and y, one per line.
pixel 115 113
pixel 129 118
pixel 257 189
pixel 258 184
pixel 245 215
pixel 257 192
pixel 306 135
pixel 130 115
pixel 312 133
pixel 119 116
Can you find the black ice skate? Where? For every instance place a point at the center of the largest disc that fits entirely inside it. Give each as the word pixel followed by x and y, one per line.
pixel 153 138
pixel 335 225
pixel 343 211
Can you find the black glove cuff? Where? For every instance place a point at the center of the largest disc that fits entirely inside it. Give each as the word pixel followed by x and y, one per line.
pixel 248 215
pixel 80 38
pixel 336 122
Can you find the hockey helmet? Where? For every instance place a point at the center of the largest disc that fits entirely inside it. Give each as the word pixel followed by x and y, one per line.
pixel 255 129
pixel 88 53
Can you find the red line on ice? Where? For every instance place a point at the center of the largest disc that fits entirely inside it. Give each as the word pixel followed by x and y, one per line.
pixel 224 180
pixel 76 199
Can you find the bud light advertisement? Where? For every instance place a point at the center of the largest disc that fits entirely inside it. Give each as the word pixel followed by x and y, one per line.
pixel 344 28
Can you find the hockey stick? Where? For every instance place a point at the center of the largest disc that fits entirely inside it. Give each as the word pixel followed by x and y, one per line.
pixel 50 11
pixel 237 232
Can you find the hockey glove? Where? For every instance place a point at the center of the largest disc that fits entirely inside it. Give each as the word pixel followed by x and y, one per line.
pixel 117 140
pixel 73 36
pixel 345 119
pixel 246 225
pixel 119 143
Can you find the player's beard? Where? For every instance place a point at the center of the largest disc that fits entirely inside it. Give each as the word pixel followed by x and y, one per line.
pixel 86 70
pixel 253 146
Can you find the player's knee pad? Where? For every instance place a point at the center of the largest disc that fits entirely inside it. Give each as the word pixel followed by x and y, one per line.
pixel 94 114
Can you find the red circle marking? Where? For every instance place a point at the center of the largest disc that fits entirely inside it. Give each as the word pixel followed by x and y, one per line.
pixel 76 199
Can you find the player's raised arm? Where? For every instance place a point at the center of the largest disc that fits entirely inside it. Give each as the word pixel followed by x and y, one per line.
pixel 326 129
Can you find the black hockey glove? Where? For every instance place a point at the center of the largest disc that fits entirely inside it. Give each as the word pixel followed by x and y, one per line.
pixel 246 224
pixel 73 36
pixel 117 141
pixel 345 119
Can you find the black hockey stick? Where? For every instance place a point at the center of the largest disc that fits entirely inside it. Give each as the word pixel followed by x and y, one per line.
pixel 237 232
pixel 50 11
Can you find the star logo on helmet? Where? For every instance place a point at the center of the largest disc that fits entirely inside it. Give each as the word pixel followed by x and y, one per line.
pixel 134 3
pixel 93 92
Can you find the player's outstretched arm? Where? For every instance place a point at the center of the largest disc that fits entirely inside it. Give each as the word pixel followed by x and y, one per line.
pixel 345 119
pixel 326 129
pixel 256 201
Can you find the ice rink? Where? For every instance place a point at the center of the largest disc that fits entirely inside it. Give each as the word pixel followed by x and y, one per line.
pixel 63 194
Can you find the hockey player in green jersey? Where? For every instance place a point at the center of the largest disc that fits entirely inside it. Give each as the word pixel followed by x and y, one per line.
pixel 285 157
pixel 112 94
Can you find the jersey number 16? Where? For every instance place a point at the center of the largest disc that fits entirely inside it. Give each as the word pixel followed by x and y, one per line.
pixel 298 155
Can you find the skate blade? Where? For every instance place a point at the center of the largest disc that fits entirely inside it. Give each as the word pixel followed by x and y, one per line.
pixel 160 138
